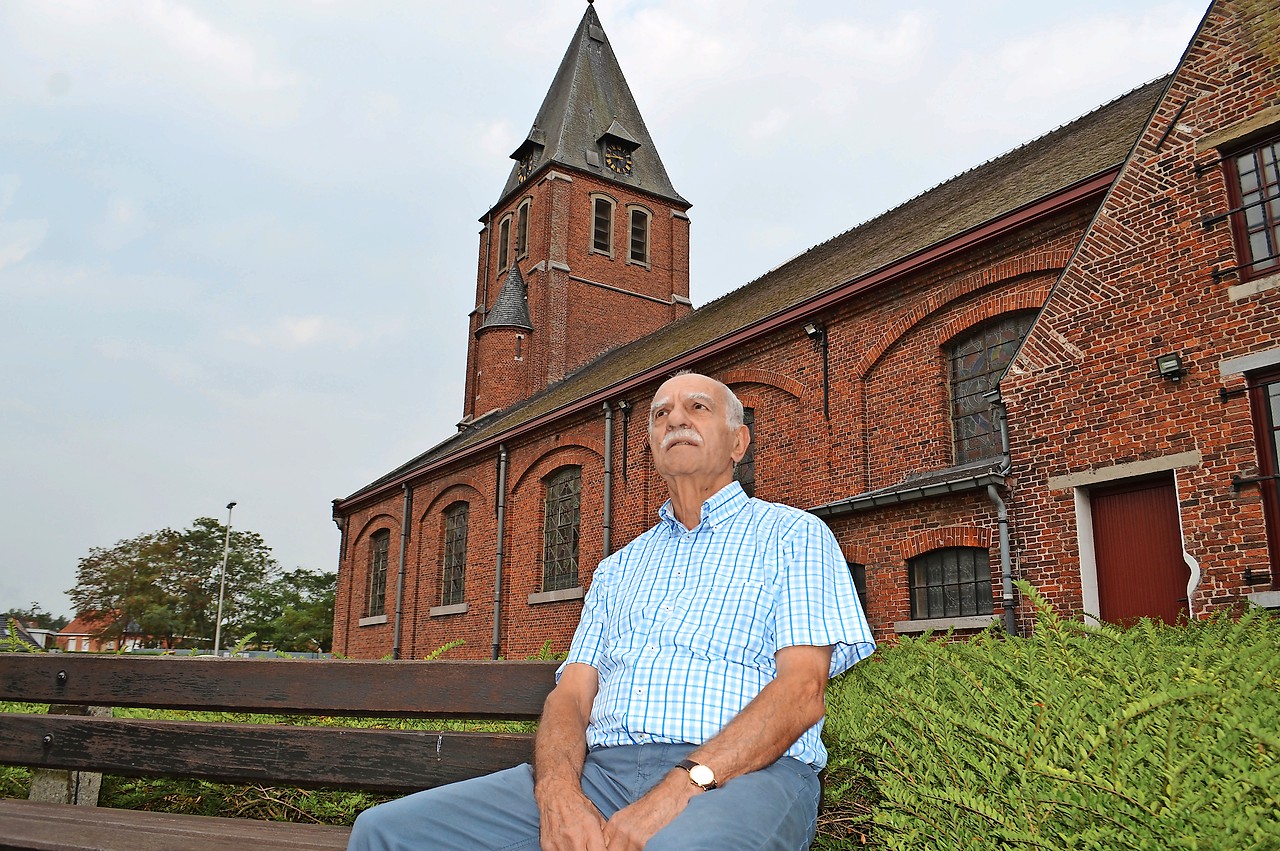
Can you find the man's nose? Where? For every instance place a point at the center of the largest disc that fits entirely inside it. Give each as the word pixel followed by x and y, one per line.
pixel 678 418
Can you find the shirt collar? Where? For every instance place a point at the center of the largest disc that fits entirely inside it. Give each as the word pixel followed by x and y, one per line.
pixel 722 505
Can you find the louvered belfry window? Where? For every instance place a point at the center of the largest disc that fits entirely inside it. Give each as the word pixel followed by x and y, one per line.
pixel 560 531
pixel 602 225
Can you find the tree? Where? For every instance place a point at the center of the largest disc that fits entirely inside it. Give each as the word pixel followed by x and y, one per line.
pixel 293 613
pixel 35 615
pixel 165 584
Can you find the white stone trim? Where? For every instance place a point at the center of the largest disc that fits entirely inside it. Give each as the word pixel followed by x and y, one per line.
pixel 1132 469
pixel 557 596
pixel 944 624
pixel 1248 363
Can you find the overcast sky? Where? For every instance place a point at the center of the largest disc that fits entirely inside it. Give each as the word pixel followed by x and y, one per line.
pixel 238 239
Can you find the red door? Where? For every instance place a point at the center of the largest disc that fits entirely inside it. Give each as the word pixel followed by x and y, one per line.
pixel 1138 552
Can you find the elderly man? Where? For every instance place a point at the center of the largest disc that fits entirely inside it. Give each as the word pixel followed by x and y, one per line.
pixel 689 710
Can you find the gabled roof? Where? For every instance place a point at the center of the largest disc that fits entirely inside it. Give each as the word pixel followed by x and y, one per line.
pixel 1067 157
pixel 589 99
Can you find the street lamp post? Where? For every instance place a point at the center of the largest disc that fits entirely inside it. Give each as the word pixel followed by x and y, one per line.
pixel 222 583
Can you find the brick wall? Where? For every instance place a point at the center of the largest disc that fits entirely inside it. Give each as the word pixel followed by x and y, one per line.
pixel 889 417
pixel 1083 394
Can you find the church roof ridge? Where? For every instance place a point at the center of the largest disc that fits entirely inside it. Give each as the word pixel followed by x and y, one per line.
pixel 1061 158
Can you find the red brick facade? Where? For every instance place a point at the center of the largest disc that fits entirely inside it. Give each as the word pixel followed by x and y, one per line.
pixel 1086 405
pixel 854 418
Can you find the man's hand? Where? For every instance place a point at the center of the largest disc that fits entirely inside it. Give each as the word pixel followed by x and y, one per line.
pixel 570 822
pixel 634 825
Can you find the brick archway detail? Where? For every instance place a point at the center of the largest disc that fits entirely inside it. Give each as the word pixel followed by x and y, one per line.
pixel 947 536
pixel 979 313
pixel 443 491
pixel 856 553
pixel 574 453
pixel 769 378
pixel 1041 262
pixel 376 519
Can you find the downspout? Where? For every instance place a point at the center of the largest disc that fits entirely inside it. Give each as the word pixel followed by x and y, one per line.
pixel 606 525
pixel 501 536
pixel 404 551
pixel 625 407
pixel 1002 514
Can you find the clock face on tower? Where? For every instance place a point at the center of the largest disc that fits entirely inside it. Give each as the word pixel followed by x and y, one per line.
pixel 617 158
pixel 527 164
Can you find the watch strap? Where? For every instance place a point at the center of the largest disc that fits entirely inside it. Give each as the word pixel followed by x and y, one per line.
pixel 689 765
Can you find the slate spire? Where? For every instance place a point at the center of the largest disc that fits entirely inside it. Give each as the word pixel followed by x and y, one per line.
pixel 588 108
pixel 511 310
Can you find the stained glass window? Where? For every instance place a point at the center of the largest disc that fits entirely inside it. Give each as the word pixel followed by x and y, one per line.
pixel 978 360
pixel 455 554
pixel 560 530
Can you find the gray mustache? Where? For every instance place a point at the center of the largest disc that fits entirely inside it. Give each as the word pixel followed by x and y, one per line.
pixel 683 434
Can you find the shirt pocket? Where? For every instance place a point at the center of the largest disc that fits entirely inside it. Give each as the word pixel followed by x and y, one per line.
pixel 728 618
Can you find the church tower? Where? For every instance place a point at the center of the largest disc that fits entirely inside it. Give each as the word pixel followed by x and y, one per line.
pixel 587 247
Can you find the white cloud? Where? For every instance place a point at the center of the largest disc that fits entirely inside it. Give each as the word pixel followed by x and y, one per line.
pixel 126 53
pixel 290 333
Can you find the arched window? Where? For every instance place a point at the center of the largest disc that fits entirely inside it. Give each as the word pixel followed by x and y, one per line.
pixel 638 250
pixel 452 581
pixel 522 230
pixel 950 583
pixel 560 530
pixel 601 225
pixel 379 547
pixel 978 360
pixel 745 470
pixel 504 242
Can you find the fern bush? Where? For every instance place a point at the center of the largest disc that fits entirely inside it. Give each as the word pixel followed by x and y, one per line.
pixel 1079 737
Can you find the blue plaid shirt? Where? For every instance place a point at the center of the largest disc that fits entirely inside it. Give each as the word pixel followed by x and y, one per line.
pixel 682 624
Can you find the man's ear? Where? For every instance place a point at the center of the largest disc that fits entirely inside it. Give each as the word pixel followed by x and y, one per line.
pixel 741 441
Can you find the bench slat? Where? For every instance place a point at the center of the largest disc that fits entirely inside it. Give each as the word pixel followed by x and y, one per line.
pixel 58 827
pixel 338 757
pixel 512 690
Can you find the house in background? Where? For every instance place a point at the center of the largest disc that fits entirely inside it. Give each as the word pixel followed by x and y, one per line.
pixel 85 634
pixel 875 369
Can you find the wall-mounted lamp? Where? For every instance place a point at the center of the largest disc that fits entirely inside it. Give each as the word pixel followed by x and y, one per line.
pixel 1170 366
pixel 818 334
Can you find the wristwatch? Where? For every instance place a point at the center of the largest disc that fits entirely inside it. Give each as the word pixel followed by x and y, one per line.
pixel 699 774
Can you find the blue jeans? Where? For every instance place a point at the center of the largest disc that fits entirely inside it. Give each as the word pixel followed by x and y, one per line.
pixel 774 808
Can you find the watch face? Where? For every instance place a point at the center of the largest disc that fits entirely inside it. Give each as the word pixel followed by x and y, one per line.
pixel 617 158
pixel 702 775
pixel 526 167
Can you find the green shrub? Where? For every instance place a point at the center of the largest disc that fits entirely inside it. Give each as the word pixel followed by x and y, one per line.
pixel 1079 737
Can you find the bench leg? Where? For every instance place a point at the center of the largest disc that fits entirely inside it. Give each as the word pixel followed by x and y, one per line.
pixel 68 787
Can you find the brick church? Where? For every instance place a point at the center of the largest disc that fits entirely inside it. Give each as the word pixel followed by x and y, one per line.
pixel 1061 366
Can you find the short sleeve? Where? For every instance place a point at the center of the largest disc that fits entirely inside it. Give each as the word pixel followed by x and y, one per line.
pixel 816 600
pixel 587 645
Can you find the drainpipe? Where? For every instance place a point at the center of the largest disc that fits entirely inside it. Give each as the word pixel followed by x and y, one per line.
pixel 606 525
pixel 497 563
pixel 1006 563
pixel 404 549
pixel 1002 513
pixel 625 407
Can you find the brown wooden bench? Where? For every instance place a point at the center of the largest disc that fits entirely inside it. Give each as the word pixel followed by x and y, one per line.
pixel 374 760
